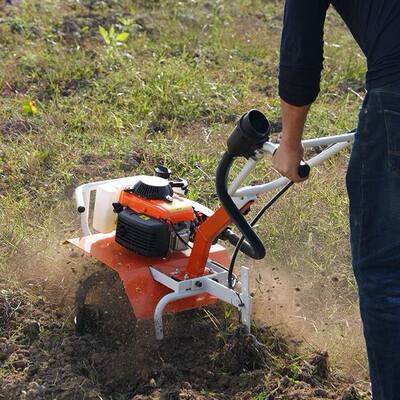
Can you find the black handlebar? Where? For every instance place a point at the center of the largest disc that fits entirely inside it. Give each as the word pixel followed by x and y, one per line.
pixel 303 170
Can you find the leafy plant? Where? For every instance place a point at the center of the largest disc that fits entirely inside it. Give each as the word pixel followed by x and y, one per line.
pixel 125 21
pixel 112 38
pixel 16 25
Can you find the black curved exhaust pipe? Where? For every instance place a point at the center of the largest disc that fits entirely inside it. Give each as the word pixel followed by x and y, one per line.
pixel 250 133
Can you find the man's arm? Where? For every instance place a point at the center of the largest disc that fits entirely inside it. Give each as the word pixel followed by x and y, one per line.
pixel 290 151
pixel 301 60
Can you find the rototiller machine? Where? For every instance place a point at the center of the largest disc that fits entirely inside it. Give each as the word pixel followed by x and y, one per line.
pixel 164 247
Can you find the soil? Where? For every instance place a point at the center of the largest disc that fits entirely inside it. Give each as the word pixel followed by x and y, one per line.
pixel 320 310
pixel 205 354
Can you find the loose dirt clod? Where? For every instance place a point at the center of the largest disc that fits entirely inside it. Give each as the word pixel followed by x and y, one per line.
pixel 352 394
pixel 31 329
pixel 320 364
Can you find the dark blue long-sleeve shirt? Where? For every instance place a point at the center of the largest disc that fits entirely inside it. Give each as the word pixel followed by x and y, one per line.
pixel 375 25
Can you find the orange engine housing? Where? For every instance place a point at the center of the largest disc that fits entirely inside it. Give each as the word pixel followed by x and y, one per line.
pixel 175 211
pixel 153 220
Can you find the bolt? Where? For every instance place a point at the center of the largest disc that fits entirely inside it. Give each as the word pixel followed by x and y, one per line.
pixel 198 284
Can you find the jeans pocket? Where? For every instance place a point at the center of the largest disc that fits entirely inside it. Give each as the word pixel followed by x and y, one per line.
pixel 392 123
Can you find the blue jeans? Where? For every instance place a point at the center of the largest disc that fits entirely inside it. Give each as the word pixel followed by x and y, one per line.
pixel 373 185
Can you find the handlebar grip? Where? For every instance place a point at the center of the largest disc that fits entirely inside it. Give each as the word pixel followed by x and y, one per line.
pixel 303 170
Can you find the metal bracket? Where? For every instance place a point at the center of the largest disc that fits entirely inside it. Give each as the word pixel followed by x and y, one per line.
pixel 216 284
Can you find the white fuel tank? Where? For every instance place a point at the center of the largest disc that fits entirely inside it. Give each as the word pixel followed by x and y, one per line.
pixel 104 218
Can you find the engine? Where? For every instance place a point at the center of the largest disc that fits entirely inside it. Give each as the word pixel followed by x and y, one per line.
pixel 152 219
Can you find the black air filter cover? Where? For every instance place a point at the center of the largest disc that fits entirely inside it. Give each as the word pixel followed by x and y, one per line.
pixel 152 188
pixel 144 235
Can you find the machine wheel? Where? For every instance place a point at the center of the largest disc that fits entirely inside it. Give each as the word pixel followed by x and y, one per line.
pixel 102 307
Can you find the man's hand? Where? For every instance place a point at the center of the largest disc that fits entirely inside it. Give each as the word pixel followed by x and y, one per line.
pixel 290 152
pixel 286 160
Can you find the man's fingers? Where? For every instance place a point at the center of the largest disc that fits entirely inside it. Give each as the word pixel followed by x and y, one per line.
pixel 294 177
pixel 291 174
pixel 287 162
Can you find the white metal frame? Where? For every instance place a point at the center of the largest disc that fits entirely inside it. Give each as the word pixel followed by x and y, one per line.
pixel 216 283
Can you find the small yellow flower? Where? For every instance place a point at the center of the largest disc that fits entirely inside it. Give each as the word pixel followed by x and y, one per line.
pixel 30 107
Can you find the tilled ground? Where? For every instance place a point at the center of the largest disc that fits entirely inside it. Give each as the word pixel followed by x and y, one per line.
pixel 204 356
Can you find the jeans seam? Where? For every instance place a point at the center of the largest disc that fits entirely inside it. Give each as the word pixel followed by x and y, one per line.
pixel 362 183
pixel 391 164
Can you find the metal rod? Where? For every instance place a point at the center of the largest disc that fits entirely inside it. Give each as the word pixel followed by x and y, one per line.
pixel 246 297
pixel 328 140
pixel 277 183
pixel 158 324
pixel 251 163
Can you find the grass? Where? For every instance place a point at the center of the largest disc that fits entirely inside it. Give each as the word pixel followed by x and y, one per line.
pixel 169 92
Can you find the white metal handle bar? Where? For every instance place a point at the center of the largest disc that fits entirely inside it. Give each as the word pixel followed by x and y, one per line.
pixel 336 143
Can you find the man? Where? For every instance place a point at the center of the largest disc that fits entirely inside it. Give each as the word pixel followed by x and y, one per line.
pixel 373 176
